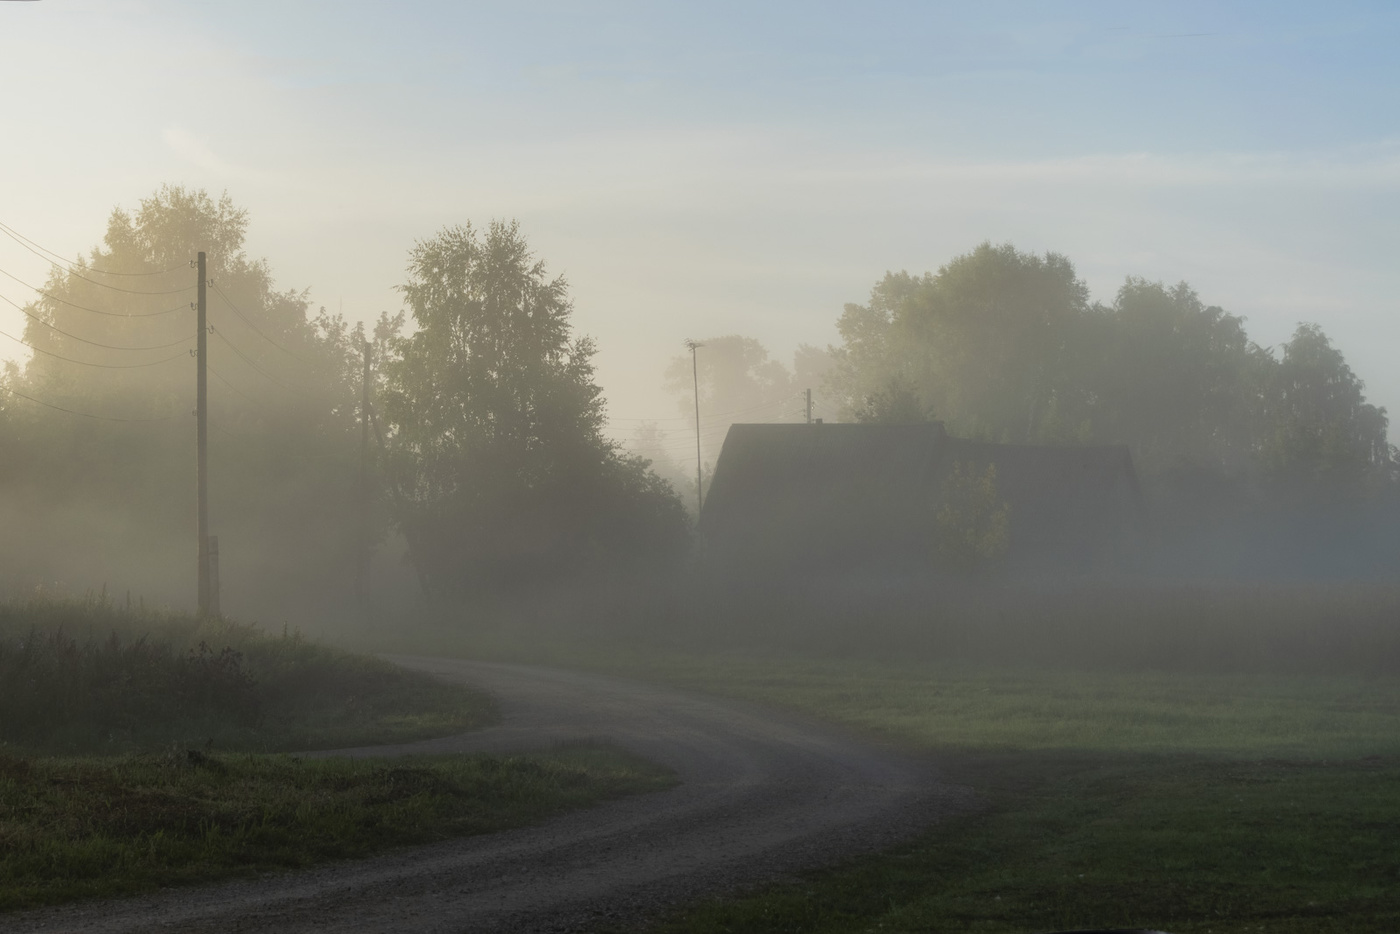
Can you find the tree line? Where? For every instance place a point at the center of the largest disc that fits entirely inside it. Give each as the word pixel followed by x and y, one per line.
pixel 1007 346
pixel 490 463
pixel 488 460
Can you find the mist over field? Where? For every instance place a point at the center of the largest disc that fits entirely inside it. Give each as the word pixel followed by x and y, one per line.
pixel 692 468
pixel 1064 306
pixel 984 434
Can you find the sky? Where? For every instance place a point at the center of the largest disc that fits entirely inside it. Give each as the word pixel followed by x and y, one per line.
pixel 699 169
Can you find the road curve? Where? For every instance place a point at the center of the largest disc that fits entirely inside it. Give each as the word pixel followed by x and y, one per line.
pixel 762 794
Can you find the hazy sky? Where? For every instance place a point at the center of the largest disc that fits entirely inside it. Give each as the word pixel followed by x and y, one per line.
pixel 709 168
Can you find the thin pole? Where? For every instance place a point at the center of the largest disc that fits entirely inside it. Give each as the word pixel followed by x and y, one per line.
pixel 809 406
pixel 201 410
pixel 362 565
pixel 699 473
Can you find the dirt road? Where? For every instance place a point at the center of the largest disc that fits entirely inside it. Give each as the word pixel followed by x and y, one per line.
pixel 761 795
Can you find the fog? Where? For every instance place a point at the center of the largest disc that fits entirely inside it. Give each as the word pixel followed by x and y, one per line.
pixel 1161 239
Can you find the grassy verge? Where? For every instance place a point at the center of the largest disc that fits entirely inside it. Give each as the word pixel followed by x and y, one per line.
pixel 1187 803
pixel 1075 841
pixel 87 676
pixel 74 828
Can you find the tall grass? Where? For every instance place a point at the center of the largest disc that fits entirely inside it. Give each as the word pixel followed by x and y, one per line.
pixel 84 676
pixel 52 685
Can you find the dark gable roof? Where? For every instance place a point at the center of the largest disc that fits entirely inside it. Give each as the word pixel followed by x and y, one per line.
pixel 813 494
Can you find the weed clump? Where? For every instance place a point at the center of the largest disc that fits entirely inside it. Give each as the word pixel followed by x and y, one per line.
pixel 53 684
pixel 87 676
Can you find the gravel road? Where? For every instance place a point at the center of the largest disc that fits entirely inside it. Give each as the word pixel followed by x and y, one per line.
pixel 762 795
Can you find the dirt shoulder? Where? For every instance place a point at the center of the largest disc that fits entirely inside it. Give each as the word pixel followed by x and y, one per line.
pixel 761 795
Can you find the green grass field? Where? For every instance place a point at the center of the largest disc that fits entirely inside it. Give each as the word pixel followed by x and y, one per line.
pixel 137 750
pixel 982 708
pixel 1187 803
pixel 76 828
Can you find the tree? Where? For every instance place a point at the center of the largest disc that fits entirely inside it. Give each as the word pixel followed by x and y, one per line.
pixel 501 471
pixel 653 444
pixel 1004 346
pixel 1320 425
pixel 1176 379
pixel 896 404
pixel 103 500
pixel 738 382
pixel 973 522
pixel 982 342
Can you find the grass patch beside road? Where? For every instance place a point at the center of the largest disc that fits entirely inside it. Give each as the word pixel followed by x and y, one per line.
pixel 134 753
pixel 75 828
pixel 982 708
pixel 82 677
pixel 1186 803
pixel 1073 841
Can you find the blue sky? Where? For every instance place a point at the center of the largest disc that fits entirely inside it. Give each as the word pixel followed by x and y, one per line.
pixel 699 169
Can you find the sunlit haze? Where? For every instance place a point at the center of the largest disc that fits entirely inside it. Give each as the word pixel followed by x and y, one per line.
pixel 705 169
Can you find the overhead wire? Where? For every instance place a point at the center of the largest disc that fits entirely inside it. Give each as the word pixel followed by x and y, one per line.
pixel 105 418
pixel 244 357
pixel 72 271
pixel 54 327
pixel 183 306
pixel 215 373
pixel 103 366
pixel 39 250
pixel 248 321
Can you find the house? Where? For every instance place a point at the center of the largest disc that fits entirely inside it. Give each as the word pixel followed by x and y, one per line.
pixel 815 499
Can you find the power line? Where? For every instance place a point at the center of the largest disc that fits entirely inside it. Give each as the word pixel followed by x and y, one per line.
pixel 77 275
pixel 96 311
pixel 301 392
pixel 247 398
pixel 22 310
pixel 39 251
pixel 104 366
pixel 257 330
pixel 215 373
pixel 104 418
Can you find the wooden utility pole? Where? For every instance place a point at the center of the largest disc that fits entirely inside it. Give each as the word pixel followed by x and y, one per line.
pixel 214 576
pixel 362 559
pixel 699 474
pixel 809 406
pixel 201 412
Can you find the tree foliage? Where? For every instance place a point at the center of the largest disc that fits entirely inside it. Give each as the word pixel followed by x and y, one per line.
pixel 1005 346
pixel 898 403
pixel 738 381
pixel 983 342
pixel 94 498
pixel 973 523
pixel 501 471
pixel 1319 424
pixel 496 466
